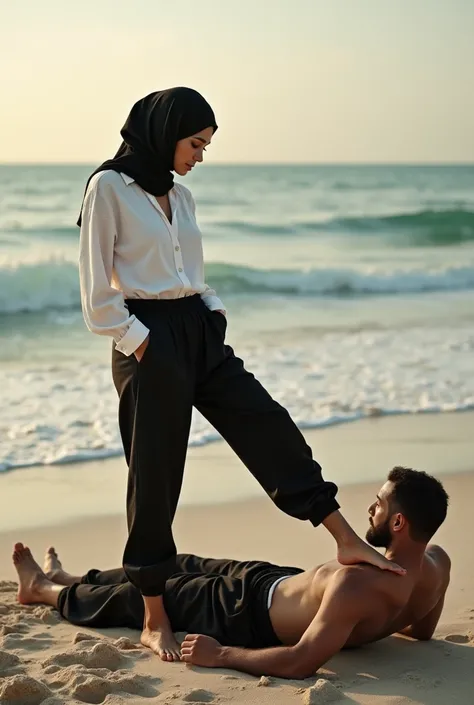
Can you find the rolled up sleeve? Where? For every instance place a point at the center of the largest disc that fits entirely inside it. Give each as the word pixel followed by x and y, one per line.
pixel 212 301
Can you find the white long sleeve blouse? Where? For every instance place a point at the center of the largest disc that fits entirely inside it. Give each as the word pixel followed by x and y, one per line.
pixel 129 249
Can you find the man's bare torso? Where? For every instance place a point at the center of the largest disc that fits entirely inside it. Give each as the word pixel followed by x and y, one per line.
pixel 397 601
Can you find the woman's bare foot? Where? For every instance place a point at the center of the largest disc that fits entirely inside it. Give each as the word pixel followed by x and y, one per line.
pixel 357 551
pixel 351 549
pixel 162 642
pixel 157 633
pixel 31 578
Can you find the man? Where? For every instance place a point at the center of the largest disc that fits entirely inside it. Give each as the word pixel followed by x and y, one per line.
pixel 281 621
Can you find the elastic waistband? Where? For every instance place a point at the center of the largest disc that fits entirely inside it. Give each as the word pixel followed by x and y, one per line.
pixel 264 633
pixel 185 303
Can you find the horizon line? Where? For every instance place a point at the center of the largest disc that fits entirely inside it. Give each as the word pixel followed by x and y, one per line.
pixel 263 163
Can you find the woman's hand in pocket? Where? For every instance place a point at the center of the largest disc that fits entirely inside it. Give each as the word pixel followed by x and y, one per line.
pixel 140 351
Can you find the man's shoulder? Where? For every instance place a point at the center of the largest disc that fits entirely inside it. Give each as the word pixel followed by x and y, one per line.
pixel 375 590
pixel 360 582
pixel 440 558
pixel 354 576
pixel 437 551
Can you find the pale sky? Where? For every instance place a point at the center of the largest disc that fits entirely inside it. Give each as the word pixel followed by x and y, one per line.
pixel 289 80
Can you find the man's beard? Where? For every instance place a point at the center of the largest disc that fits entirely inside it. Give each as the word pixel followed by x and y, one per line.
pixel 379 536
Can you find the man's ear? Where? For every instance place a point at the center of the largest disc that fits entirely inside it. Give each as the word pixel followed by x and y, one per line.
pixel 398 522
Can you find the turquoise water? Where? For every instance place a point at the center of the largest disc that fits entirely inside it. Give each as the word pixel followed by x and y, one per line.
pixel 350 293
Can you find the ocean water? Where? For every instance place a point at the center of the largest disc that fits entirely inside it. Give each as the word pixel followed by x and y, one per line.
pixel 350 293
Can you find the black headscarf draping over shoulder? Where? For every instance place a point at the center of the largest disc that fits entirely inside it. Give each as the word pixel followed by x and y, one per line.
pixel 154 126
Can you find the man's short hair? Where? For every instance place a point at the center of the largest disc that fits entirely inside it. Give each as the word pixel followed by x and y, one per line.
pixel 421 498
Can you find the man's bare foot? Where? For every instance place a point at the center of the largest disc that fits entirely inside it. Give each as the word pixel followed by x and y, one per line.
pixel 358 551
pixel 30 576
pixel 162 642
pixel 51 563
pixel 54 570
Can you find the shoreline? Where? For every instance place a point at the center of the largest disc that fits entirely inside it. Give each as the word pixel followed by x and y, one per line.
pixel 306 428
pixel 350 454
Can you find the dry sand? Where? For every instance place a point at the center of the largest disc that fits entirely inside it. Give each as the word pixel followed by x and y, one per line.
pixel 45 660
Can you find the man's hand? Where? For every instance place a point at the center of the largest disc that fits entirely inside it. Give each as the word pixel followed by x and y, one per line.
pixel 201 650
pixel 140 351
pixel 219 310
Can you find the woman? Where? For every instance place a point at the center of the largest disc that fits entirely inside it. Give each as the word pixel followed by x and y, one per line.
pixel 142 283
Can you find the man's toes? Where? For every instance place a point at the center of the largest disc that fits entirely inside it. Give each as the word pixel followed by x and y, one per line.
pixel 18 548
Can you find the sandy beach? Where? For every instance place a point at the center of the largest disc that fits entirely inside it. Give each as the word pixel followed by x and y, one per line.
pixel 159 170
pixel 78 510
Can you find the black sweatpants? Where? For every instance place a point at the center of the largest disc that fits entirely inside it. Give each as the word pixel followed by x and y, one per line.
pixel 187 364
pixel 224 599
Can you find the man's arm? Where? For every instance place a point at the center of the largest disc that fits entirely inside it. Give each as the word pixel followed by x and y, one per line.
pixel 344 605
pixel 423 629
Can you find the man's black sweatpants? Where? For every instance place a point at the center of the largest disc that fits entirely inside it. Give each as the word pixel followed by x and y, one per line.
pixel 224 599
pixel 188 364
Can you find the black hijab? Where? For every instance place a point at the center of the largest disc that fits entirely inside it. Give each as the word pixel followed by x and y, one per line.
pixel 155 124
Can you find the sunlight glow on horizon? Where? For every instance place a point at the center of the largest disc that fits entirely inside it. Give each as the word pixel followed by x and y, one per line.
pixel 308 82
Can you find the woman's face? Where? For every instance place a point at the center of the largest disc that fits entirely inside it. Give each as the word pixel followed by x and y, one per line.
pixel 190 150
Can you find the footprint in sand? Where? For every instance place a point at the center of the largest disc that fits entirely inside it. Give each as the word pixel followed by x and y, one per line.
pixel 458 638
